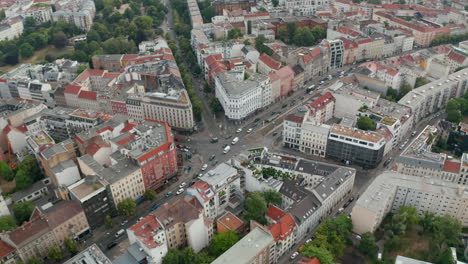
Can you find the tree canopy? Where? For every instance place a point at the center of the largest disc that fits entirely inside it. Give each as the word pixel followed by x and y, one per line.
pixel 256 207
pixel 186 256
pixel 127 207
pixel 6 172
pixel 222 242
pixel 332 234
pixel 23 211
pixel 368 245
pixel 7 223
pixel 457 108
pixel 366 123
pixel 321 253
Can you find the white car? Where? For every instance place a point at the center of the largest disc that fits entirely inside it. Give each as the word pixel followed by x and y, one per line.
pixel 124 223
pixel 239 130
pixel 181 190
pixel 308 241
pixel 204 167
pixel 182 185
pixel 249 130
pixel 294 255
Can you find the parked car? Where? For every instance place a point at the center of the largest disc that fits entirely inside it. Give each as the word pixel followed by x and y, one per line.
pixel 387 162
pixel 179 146
pixel 176 139
pixel 212 157
pixel 153 207
pixel 308 241
pixel 124 223
pixel 294 255
pixel 214 140
pixel 239 130
pixel 204 167
pixel 340 210
pixel 111 245
pixel 257 119
pixel 119 233
pixel 284 106
pixel 168 194
pixel 182 185
pixel 180 191
pixel 249 130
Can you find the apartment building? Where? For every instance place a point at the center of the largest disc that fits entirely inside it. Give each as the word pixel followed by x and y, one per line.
pixel 391 190
pixel 318 187
pixel 315 61
pixel 302 7
pixel 266 64
pixel 258 246
pixel 434 96
pixel 352 145
pixel 79 13
pixel 90 255
pixel 240 97
pixel 11 29
pixel 45 229
pixel 56 158
pixel 93 196
pixel 283 229
pixel 149 235
pixel 184 223
pixel 418 160
pixel 336 53
pixel 147 144
pixel 123 179
pixel 217 190
pixel 41 14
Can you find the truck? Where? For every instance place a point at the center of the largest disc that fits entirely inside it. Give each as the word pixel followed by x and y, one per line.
pixel 226 149
pixel 119 233
pixel 235 140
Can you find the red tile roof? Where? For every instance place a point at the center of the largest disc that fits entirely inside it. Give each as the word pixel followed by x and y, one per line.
pixel 322 101
pixel 72 89
pixel 5 249
pixel 293 118
pixel 90 95
pixel 146 229
pixel 363 41
pixel 204 190
pixel 451 166
pixel 306 260
pixel 457 57
pixel 129 127
pixel 348 32
pixel 271 63
pixel 283 228
pixel 348 44
pixel 274 212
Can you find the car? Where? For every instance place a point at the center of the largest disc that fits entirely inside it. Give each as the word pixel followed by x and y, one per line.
pixel 322 82
pixel 308 241
pixel 274 134
pixel 180 191
pixel 154 207
pixel 204 167
pixel 249 130
pixel 414 133
pixel 214 162
pixel 239 130
pixel 358 237
pixel 168 194
pixel 179 146
pixel 111 245
pixel 284 106
pixel 257 119
pixel 214 140
pixel 228 137
pixel 124 223
pixel 182 185
pixel 212 157
pixel 200 175
pixel 340 210
pixel 387 162
pixel 402 147
pixel 184 149
pixel 294 255
pixel 176 139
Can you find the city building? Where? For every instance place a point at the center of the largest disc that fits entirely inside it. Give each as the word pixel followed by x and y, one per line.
pixel 434 96
pixel 258 246
pixel 217 190
pixel 417 159
pixel 91 255
pixel 391 190
pixel 230 222
pixel 355 146
pixel 79 13
pixel 184 223
pixel 57 162
pixel 240 97
pixel 11 29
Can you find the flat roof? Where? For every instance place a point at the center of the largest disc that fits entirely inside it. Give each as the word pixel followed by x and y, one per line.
pixel 356 133
pixel 247 248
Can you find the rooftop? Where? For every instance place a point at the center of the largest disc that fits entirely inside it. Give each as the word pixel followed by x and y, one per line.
pixel 247 248
pixel 86 188
pixel 356 133
pixel 230 221
pixel 146 231
pixel 91 255
pixel 218 176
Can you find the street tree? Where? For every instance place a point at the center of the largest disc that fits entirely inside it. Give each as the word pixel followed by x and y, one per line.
pixel 222 242
pixel 55 254
pixel 324 256
pixel 71 245
pixel 127 207
pixel 108 221
pixel 150 195
pixel 7 223
pixel 366 123
pixel 23 211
